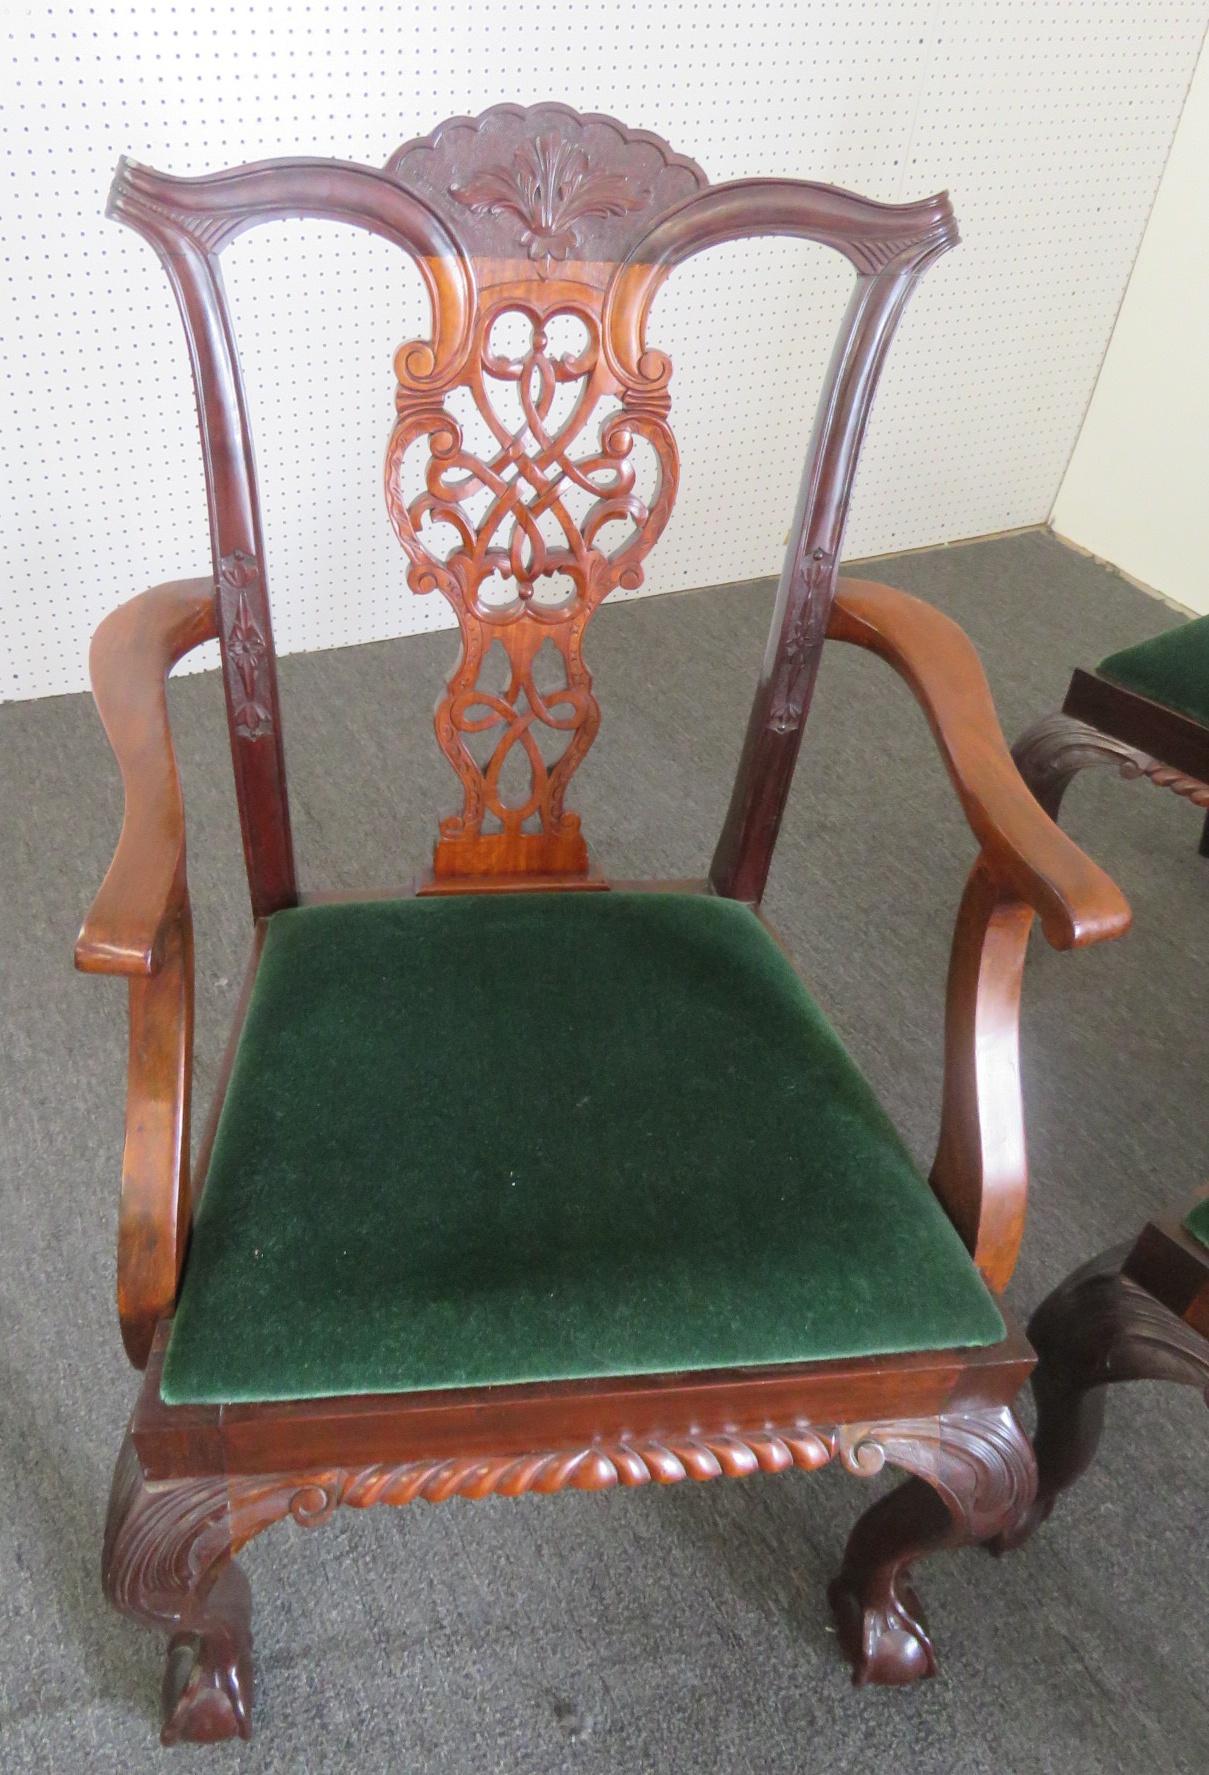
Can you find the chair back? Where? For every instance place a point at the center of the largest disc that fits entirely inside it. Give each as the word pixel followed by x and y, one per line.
pixel 532 465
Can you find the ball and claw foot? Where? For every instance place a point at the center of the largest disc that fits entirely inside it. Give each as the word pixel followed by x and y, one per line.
pixel 168 1563
pixel 886 1642
pixel 207 1690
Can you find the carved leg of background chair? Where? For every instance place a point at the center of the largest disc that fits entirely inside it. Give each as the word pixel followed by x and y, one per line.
pixel 1050 752
pixel 1096 1328
pixel 167 1562
pixel 974 1475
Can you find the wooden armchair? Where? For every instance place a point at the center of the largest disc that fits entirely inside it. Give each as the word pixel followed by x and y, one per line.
pixel 695 1246
pixel 1143 711
pixel 1138 1312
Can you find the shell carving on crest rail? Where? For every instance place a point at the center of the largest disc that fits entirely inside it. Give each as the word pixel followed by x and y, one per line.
pixel 533 481
pixel 551 186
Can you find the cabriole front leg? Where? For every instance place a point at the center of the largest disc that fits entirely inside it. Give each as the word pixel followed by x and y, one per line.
pixel 973 1476
pixel 167 1563
pixel 1052 751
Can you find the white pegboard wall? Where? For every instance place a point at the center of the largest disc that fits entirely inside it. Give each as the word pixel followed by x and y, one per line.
pixel 1048 121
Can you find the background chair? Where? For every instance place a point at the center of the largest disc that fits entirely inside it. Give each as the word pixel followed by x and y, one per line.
pixel 1137 1312
pixel 521 1178
pixel 1140 1311
pixel 1144 710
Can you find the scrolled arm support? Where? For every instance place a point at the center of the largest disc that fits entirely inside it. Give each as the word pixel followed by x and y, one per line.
pixel 1026 866
pixel 980 1171
pixel 140 926
pixel 140 899
pixel 1023 849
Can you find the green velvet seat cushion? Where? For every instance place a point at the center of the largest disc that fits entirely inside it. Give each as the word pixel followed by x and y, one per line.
pixel 526 1137
pixel 1171 668
pixel 1197 1222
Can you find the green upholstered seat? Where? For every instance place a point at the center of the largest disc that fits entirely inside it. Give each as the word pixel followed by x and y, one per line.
pixel 1197 1222
pixel 1171 668
pixel 517 1137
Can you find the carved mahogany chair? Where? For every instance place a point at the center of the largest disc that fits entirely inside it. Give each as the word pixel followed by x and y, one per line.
pixel 1144 711
pixel 695 1246
pixel 1138 1312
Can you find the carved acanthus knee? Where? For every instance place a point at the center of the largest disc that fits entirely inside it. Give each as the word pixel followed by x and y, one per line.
pixel 169 1547
pixel 162 1542
pixel 1096 1328
pixel 1100 1326
pixel 1050 752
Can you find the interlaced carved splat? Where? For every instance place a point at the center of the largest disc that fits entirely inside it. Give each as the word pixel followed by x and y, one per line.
pixel 531 480
pixel 546 518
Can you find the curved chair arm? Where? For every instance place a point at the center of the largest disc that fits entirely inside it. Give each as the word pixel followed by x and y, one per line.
pixel 140 926
pixel 1026 865
pixel 132 653
pixel 1021 846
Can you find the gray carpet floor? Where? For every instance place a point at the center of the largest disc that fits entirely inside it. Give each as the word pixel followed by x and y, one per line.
pixel 678 1629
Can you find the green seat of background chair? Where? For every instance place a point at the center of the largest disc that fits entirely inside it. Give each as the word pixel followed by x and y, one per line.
pixel 1171 668
pixel 1197 1222
pixel 517 1137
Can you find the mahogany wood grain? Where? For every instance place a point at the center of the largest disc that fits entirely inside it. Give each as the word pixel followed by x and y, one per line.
pixel 1026 865
pixel 807 584
pixel 140 925
pixel 169 1545
pixel 1022 847
pixel 974 1480
pixel 1103 724
pixel 1052 752
pixel 545 215
pixel 154 1207
pixel 205 1146
pixel 141 897
pixel 1141 1311
pixel 1164 733
pixel 260 1438
pixel 1172 1266
pixel 980 1171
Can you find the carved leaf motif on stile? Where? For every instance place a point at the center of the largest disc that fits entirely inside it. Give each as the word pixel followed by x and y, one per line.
pixel 550 186
pixel 786 711
pixel 247 648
